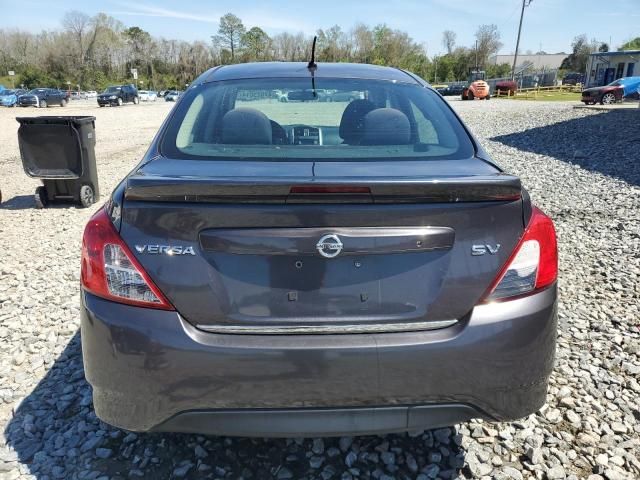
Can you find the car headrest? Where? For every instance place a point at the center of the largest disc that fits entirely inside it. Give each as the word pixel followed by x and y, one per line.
pixel 246 126
pixel 351 127
pixel 386 126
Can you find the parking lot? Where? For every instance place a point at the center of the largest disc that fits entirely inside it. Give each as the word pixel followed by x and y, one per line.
pixel 581 167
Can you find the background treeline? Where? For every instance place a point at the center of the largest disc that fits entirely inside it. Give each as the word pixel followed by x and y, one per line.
pixel 93 52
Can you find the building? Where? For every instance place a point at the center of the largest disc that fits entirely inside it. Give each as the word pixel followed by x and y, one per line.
pixel 605 67
pixel 538 62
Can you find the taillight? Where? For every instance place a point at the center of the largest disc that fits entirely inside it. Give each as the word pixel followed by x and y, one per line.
pixel 109 269
pixel 532 266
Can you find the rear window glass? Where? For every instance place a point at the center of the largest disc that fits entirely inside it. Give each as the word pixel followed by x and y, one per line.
pixel 330 119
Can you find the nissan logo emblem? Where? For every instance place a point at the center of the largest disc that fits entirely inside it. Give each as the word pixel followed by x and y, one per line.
pixel 329 246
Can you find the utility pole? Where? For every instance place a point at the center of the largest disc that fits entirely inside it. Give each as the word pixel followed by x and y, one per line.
pixel 525 3
pixel 476 55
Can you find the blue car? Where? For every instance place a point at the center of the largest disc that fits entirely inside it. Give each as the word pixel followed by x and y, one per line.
pixel 9 98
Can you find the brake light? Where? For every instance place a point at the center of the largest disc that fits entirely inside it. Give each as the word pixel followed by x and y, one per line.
pixel 329 189
pixel 109 269
pixel 532 266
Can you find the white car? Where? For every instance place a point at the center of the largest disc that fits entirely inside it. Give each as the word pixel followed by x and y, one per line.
pixel 92 94
pixel 147 95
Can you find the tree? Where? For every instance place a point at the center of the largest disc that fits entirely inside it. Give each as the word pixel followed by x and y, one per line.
pixel 631 44
pixel 256 42
pixel 577 59
pixel 604 47
pixel 230 33
pixel 449 40
pixel 77 24
pixel 489 43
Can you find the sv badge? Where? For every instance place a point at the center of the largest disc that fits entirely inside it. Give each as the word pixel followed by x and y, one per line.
pixel 477 250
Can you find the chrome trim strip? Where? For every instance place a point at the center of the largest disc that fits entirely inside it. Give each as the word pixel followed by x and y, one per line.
pixel 327 329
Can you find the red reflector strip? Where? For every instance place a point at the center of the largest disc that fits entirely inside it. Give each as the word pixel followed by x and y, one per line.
pixel 328 189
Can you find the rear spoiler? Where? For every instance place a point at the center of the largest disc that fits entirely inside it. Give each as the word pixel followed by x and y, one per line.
pixel 478 188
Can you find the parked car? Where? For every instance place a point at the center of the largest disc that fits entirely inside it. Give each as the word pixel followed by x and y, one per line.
pixel 43 97
pixel 450 90
pixel 623 88
pixel 9 98
pixel 290 277
pixel 506 87
pixel 118 94
pixel 172 95
pixel 147 95
pixel 92 94
pixel 74 95
pixel 343 96
pixel 573 78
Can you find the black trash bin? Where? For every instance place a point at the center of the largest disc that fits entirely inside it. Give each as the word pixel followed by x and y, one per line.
pixel 61 152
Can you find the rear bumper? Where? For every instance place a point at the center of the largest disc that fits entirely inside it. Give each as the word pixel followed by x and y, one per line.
pixel 151 370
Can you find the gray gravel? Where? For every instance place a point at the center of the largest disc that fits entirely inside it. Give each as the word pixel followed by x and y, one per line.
pixel 582 168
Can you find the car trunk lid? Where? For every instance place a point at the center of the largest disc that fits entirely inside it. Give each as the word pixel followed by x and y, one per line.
pixel 265 248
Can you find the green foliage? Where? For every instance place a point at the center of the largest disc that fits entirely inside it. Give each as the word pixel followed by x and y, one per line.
pixel 98 51
pixel 230 33
pixel 32 77
pixel 631 44
pixel 581 49
pixel 498 71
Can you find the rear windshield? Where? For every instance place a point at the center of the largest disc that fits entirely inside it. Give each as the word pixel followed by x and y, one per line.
pixel 331 119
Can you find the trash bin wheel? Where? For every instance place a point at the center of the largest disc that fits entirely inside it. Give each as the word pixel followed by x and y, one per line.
pixel 87 198
pixel 41 197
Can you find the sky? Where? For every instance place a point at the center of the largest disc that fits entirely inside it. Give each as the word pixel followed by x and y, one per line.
pixel 549 25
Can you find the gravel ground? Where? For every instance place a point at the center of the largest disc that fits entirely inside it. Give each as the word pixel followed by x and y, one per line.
pixel 581 167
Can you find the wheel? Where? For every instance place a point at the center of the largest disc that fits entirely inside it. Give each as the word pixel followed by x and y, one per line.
pixel 86 196
pixel 119 102
pixel 41 197
pixel 136 100
pixel 63 102
pixel 488 97
pixel 43 104
pixel 463 96
pixel 470 96
pixel 101 105
pixel 608 99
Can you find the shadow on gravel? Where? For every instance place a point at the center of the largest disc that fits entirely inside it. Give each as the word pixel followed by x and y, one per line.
pixel 27 202
pixel 56 435
pixel 19 202
pixel 595 142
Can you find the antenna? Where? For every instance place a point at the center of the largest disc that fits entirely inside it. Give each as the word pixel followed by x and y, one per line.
pixel 312 66
pixel 312 63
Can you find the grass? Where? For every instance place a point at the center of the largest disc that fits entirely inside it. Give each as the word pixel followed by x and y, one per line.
pixel 549 97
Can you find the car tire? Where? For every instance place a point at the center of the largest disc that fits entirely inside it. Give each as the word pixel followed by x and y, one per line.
pixel 119 102
pixel 40 197
pixel 136 100
pixel 63 103
pixel 87 197
pixel 608 98
pixel 470 96
pixel 42 104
